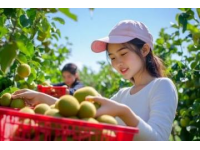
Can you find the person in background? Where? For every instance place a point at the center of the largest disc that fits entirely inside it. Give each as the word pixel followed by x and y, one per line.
pixel 71 78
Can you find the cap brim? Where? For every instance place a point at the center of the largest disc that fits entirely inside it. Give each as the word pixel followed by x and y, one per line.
pixel 100 44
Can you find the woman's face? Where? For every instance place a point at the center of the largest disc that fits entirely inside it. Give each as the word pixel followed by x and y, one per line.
pixel 125 61
pixel 68 78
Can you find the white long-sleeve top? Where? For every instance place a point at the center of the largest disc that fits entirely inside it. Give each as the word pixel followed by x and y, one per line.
pixel 155 106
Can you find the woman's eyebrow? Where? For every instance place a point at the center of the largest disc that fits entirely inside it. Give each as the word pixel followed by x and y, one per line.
pixel 118 50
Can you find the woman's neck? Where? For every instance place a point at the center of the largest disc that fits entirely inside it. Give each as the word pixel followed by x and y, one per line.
pixel 142 78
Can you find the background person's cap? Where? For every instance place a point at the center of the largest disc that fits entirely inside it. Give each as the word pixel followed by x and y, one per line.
pixel 123 32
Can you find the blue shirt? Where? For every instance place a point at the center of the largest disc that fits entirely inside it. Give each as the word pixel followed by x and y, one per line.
pixel 75 86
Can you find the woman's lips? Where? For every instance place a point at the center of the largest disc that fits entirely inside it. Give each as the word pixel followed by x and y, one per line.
pixel 123 71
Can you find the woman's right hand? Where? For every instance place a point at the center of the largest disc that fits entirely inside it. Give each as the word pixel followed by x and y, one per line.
pixel 29 96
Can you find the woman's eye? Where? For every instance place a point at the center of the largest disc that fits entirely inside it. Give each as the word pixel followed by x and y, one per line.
pixel 112 58
pixel 123 54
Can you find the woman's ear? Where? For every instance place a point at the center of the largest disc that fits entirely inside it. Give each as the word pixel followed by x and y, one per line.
pixel 145 50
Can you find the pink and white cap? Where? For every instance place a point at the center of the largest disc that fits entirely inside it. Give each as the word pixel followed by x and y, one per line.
pixel 123 32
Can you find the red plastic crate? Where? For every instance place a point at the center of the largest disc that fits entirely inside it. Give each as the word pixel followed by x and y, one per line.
pixel 56 91
pixel 46 128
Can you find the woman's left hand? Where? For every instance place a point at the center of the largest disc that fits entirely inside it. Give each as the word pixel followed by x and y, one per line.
pixel 108 107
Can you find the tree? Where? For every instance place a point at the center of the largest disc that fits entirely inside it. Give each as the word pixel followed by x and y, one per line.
pixel 28 36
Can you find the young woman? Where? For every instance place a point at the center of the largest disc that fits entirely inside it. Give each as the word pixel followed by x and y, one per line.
pixel 70 78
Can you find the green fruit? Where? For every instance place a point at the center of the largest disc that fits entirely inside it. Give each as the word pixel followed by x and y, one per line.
pixel 32 86
pixel 18 78
pixel 27 110
pixel 87 110
pixel 41 36
pixel 53 113
pixel 68 106
pixel 52 106
pixel 73 117
pixel 182 110
pixel 107 119
pixel 82 93
pixel 6 99
pixel 56 104
pixel 41 108
pixel 23 70
pixel 185 122
pixel 46 83
pixel 97 105
pixel 17 103
pixel 24 86
pixel 92 120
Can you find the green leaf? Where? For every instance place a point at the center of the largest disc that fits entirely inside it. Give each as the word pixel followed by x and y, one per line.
pixel 184 9
pixel 182 19
pixel 192 28
pixel 41 76
pixel 55 36
pixel 193 64
pixel 24 20
pixel 196 38
pixel 174 25
pixel 37 63
pixel 53 24
pixel 68 13
pixel 2 20
pixel 25 45
pixel 3 31
pixel 8 54
pixel 176 17
pixel 22 58
pixel 26 48
pixel 10 12
pixel 58 32
pixel 177 42
pixel 60 20
pixel 160 41
pixel 45 26
pixel 198 12
pixel 31 14
pixel 53 10
pixel 32 76
pixel 190 13
pixel 9 90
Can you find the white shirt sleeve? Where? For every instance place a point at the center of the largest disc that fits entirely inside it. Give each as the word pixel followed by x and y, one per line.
pixel 163 104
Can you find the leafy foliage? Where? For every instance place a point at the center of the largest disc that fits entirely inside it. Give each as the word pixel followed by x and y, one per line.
pixel 29 36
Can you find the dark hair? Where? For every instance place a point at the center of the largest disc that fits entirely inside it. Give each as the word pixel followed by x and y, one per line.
pixel 153 64
pixel 71 68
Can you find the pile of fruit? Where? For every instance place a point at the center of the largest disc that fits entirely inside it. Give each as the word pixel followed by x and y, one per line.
pixel 73 107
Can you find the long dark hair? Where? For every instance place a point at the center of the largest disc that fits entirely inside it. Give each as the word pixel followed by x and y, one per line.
pixel 71 68
pixel 153 64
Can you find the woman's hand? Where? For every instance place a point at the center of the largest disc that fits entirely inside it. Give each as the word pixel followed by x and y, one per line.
pixel 114 109
pixel 29 96
pixel 108 106
pixel 67 91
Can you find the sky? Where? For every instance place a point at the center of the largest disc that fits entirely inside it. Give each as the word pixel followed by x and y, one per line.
pixel 98 24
